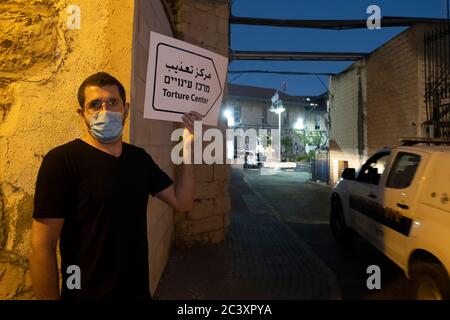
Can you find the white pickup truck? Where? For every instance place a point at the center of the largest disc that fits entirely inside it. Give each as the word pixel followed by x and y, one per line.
pixel 399 201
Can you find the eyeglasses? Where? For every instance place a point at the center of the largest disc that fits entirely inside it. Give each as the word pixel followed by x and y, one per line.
pixel 95 106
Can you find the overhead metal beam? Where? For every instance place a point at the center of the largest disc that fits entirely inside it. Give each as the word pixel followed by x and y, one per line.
pixel 283 72
pixel 333 24
pixel 299 56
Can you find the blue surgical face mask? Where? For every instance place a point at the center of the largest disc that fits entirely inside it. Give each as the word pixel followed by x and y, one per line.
pixel 106 126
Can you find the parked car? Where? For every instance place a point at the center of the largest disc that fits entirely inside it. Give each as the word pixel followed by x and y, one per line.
pixel 252 160
pixel 400 202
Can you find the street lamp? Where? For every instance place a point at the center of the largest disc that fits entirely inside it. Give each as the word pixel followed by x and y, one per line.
pixel 229 116
pixel 278 108
pixel 299 125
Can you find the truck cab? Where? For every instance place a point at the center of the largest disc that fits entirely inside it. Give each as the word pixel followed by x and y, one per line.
pixel 399 201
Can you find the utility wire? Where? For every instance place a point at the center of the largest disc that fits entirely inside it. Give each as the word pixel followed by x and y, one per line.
pixel 326 88
pixel 282 72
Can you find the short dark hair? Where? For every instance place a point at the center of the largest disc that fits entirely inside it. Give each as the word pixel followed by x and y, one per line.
pixel 100 79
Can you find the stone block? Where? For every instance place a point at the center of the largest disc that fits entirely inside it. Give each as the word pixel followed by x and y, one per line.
pixel 221 10
pixel 217 236
pixel 212 24
pixel 183 228
pixel 190 241
pixel 201 210
pixel 203 173
pixel 205 225
pixel 211 41
pixel 207 190
pixel 222 26
pixel 179 216
pixel 222 205
pixel 195 33
pixel 11 279
pixel 221 172
pixel 199 18
pixel 226 220
pixel 204 6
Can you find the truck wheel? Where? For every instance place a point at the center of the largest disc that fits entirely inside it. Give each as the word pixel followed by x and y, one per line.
pixel 430 281
pixel 343 235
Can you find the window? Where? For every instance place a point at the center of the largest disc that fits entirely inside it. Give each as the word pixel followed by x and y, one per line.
pixel 372 170
pixel 237 114
pixel 286 118
pixel 264 116
pixel 317 123
pixel 403 170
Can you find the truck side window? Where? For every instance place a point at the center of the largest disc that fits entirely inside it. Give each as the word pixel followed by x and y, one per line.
pixel 372 170
pixel 403 170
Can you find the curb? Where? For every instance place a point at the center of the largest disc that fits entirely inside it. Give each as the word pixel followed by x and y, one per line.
pixel 322 184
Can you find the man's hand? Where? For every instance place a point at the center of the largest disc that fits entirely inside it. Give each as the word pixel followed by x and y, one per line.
pixel 181 197
pixel 189 118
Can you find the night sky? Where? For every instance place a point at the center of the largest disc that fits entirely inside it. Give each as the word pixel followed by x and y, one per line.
pixel 297 39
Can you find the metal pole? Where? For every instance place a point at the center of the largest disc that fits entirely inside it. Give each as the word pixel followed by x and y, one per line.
pixel 279 134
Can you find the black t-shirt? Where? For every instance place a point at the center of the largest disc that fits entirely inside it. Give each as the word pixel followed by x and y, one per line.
pixel 103 200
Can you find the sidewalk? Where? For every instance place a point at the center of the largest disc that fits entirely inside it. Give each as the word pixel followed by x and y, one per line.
pixel 261 259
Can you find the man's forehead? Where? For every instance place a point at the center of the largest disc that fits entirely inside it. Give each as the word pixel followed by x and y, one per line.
pixel 103 91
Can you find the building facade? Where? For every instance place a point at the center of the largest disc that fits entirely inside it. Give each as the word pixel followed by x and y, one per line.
pixel 250 108
pixel 377 101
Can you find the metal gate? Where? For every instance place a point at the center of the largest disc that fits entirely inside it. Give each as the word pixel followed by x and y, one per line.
pixel 437 81
pixel 320 166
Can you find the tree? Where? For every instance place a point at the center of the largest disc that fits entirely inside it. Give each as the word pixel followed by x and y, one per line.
pixel 316 138
pixel 286 142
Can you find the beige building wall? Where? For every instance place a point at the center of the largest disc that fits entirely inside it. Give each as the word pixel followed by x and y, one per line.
pixel 204 23
pixel 395 90
pixel 152 135
pixel 208 221
pixel 42 64
pixel 392 93
pixel 252 112
pixel 344 99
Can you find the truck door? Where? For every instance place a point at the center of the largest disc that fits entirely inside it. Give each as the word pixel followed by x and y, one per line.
pixel 398 199
pixel 364 199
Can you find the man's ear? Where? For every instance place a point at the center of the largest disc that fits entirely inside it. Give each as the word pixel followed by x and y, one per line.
pixel 126 109
pixel 80 112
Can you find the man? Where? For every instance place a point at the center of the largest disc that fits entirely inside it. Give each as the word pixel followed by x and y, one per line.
pixel 91 195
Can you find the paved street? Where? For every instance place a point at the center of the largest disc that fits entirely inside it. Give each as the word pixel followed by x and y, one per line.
pixel 305 208
pixel 262 258
pixel 279 246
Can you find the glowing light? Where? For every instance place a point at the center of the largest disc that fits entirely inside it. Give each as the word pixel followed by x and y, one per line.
pixel 299 125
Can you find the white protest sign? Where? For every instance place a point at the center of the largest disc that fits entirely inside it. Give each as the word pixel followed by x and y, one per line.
pixel 182 77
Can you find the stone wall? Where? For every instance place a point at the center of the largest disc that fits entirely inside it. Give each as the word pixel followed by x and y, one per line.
pixel 42 64
pixel 152 135
pixel 391 83
pixel 346 91
pixel 395 91
pixel 204 23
